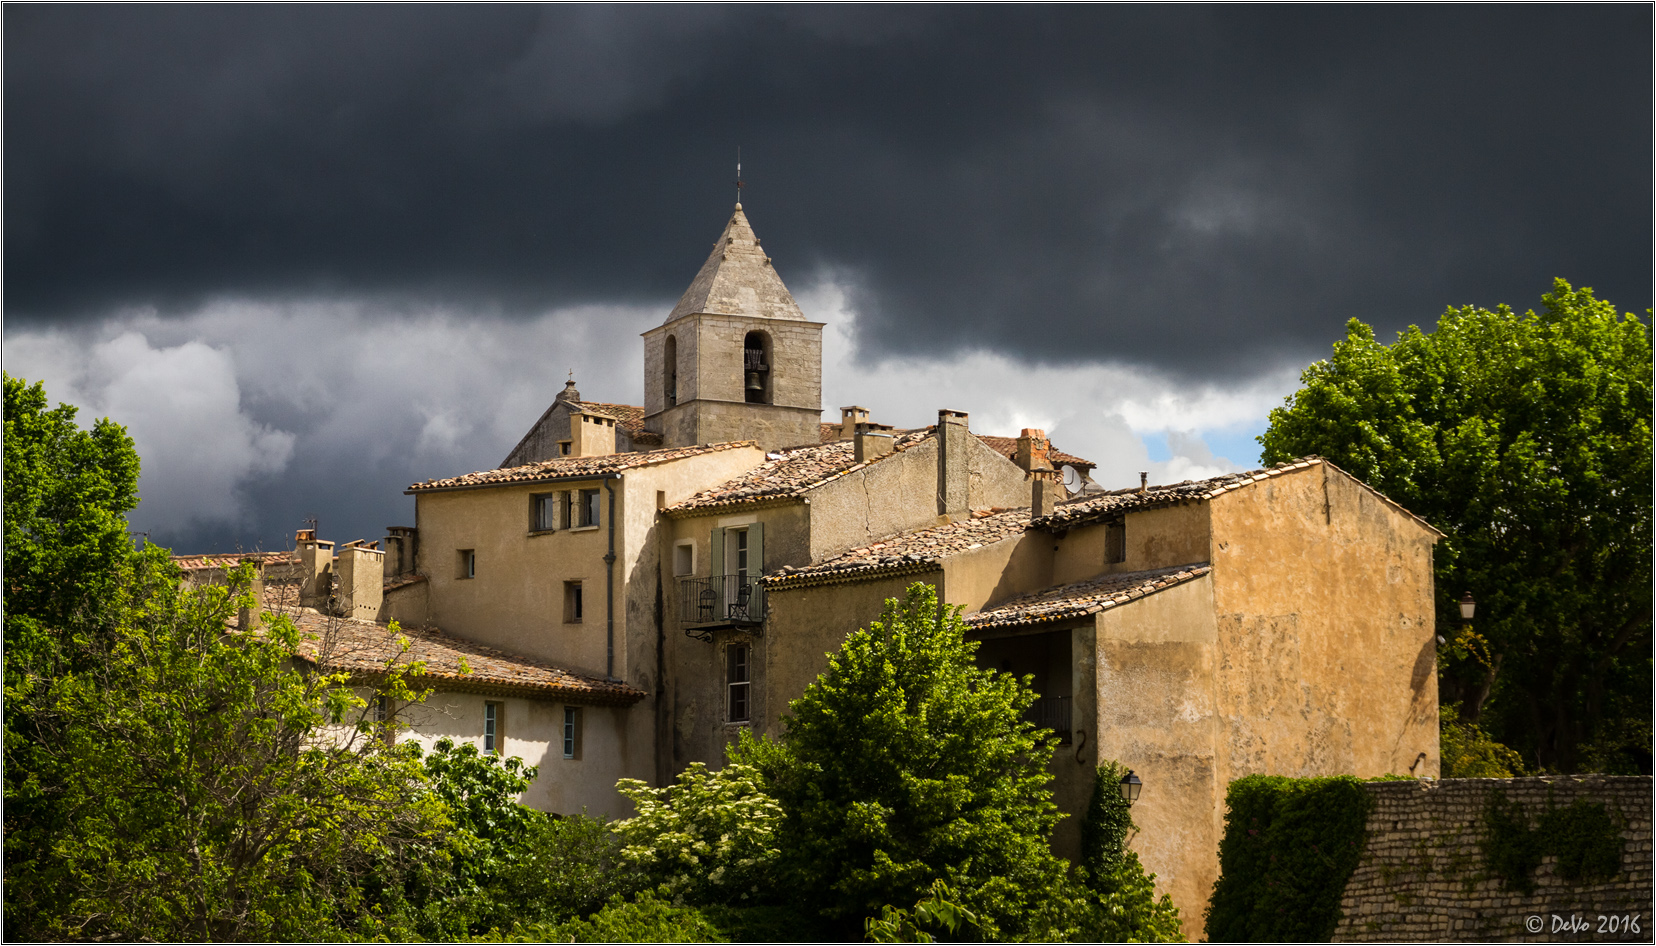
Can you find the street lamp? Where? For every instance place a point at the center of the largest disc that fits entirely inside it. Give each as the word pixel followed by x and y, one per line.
pixel 1130 786
pixel 1467 605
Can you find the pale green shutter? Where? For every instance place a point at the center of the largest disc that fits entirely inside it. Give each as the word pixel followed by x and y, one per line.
pixel 756 549
pixel 718 554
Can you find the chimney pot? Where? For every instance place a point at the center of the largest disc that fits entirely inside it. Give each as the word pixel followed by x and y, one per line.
pixel 1144 481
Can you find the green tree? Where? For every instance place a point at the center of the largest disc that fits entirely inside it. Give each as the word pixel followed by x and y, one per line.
pixel 709 839
pixel 67 495
pixel 1467 751
pixel 904 764
pixel 200 784
pixel 1526 439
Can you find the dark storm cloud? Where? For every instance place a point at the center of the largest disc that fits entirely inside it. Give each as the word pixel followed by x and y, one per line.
pixel 1187 188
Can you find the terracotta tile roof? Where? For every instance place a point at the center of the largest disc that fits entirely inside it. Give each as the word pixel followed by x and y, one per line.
pixel 1008 448
pixel 393 582
pixel 232 559
pixel 365 648
pixel 791 472
pixel 572 467
pixel 1116 502
pixel 1084 597
pixel 907 552
pixel 1005 446
pixel 629 416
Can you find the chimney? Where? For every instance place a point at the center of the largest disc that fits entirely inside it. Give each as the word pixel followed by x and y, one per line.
pixel 1033 446
pixel 361 580
pixel 1144 481
pixel 591 435
pixel 315 570
pixel 850 419
pixel 954 475
pixel 1045 490
pixel 869 445
pixel 401 544
pixel 248 619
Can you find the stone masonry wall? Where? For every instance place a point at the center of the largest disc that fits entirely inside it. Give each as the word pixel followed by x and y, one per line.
pixel 1422 876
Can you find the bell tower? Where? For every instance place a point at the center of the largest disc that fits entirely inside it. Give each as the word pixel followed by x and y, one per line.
pixel 736 358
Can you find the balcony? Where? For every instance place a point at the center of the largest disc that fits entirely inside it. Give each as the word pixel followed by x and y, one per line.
pixel 720 601
pixel 1052 712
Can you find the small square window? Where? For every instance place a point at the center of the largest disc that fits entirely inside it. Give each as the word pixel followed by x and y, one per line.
pixel 494 728
pixel 572 732
pixel 543 512
pixel 737 683
pixel 684 559
pixel 563 447
pixel 572 602
pixel 468 563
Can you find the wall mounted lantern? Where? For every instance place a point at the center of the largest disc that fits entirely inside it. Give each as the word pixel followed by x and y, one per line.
pixel 1467 605
pixel 1130 786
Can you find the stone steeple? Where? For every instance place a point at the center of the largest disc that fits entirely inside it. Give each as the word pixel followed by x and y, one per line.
pixel 736 359
pixel 737 279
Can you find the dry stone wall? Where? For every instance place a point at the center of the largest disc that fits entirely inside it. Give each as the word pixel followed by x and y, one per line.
pixel 1422 877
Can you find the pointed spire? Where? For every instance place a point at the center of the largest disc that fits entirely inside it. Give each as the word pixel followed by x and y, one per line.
pixel 738 279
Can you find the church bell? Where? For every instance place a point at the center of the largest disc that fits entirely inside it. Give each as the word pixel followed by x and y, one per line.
pixel 754 382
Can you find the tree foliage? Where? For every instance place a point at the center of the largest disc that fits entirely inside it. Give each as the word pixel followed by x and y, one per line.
pixel 904 764
pixel 1526 439
pixel 193 784
pixel 708 839
pixel 1466 751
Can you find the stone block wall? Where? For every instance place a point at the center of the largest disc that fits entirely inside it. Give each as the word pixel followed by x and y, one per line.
pixel 1422 876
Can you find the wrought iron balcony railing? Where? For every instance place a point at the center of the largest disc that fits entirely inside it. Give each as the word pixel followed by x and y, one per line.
pixel 1052 712
pixel 721 600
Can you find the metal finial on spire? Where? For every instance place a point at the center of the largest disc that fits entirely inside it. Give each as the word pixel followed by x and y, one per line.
pixel 738 175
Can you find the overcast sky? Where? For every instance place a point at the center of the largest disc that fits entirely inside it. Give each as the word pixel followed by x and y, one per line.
pixel 311 254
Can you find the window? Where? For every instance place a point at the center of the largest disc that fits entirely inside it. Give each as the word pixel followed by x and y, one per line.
pixel 572 602
pixel 1115 542
pixel 583 511
pixel 563 447
pixel 736 677
pixel 572 732
pixel 739 553
pixel 468 563
pixel 543 512
pixel 684 559
pixel 494 728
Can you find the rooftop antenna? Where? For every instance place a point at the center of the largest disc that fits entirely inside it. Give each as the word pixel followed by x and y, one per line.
pixel 738 175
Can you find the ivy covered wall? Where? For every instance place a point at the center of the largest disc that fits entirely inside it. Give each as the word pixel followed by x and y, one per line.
pixel 1457 860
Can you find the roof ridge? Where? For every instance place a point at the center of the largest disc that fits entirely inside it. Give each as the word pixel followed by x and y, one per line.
pixel 573 467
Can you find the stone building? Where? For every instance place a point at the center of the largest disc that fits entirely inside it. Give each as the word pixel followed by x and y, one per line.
pixel 647 581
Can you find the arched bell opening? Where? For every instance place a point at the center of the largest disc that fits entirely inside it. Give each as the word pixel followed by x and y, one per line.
pixel 756 368
pixel 669 371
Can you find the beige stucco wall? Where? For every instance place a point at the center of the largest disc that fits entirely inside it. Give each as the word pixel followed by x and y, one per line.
pixel 1156 714
pixel 1323 593
pixel 533 730
pixel 1156 538
pixel 516 602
